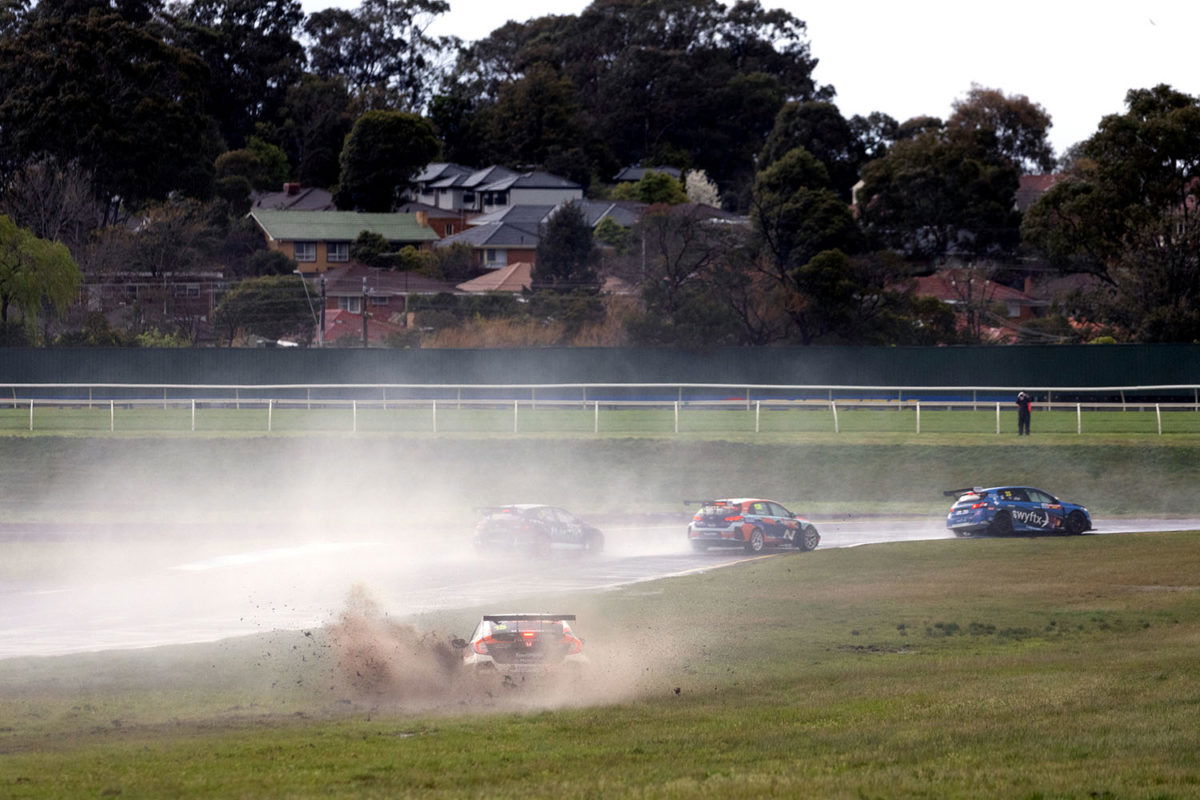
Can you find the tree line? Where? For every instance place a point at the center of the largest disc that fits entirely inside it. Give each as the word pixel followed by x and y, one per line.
pixel 132 132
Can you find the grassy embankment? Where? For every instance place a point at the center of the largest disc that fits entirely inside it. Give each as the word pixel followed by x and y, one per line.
pixel 1051 667
pixel 379 479
pixel 583 420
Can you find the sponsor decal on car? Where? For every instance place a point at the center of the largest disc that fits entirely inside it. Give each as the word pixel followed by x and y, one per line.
pixel 1032 517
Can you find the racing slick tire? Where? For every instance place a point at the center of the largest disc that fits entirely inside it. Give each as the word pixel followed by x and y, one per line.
pixel 809 538
pixel 1001 524
pixel 594 544
pixel 755 543
pixel 1076 523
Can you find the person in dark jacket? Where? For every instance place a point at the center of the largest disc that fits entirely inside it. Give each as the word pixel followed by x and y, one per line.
pixel 1024 406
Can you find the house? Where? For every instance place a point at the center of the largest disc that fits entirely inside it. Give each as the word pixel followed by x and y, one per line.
pixel 998 311
pixel 636 173
pixel 514 278
pixel 294 197
pixel 1030 189
pixel 320 240
pixel 498 244
pixel 453 187
pixel 443 221
pixel 345 291
pixel 530 188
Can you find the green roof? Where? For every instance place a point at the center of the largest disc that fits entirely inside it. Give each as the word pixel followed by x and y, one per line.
pixel 339 226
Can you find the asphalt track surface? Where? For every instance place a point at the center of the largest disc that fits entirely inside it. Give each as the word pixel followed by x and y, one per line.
pixel 137 590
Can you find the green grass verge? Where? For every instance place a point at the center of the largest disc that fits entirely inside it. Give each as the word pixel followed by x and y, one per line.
pixel 346 480
pixel 1027 668
pixel 692 420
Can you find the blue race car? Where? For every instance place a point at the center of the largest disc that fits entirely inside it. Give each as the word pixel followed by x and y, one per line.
pixel 1007 509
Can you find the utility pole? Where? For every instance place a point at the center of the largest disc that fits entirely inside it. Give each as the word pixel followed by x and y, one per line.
pixel 364 310
pixel 321 330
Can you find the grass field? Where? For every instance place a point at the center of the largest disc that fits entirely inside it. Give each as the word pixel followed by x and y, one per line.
pixel 585 420
pixel 1061 667
pixel 376 479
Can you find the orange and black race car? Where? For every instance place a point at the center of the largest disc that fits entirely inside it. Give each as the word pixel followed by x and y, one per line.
pixel 512 643
pixel 750 523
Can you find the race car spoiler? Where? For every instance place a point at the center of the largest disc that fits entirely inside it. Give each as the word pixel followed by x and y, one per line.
pixel 957 492
pixel 528 617
pixel 700 502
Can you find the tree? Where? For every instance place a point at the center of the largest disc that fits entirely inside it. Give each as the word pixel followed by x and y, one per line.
pixel 263 165
pixel 272 307
pixel 657 81
pixel 565 254
pixel 819 128
pixel 382 50
pixel 534 118
pixel 33 272
pixel 944 192
pixel 680 248
pixel 312 128
pixel 1019 125
pixel 653 188
pixel 54 200
pixel 252 55
pixel 700 189
pixel 383 152
pixel 131 109
pixel 1129 214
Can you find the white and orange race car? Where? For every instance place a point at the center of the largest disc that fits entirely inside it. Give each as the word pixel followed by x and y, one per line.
pixel 750 523
pixel 522 643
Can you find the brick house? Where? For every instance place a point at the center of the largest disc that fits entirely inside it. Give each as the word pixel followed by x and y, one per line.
pixel 320 240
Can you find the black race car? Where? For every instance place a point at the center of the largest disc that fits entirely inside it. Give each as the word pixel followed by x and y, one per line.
pixel 535 529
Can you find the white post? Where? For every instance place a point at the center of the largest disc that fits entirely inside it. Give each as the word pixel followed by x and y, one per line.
pixel 677 414
pixel 595 416
pixel 307 398
pixel 1158 416
pixel 918 416
pixel 270 415
pixel 354 416
pixel 747 399
pixel 1079 418
pixel 533 397
pixel 515 405
pixel 833 408
pixel 435 416
pixel 164 398
pixel 237 399
pixel 997 419
pixel 31 413
pixel 193 415
pixel 757 415
pixel 89 397
pixel 112 416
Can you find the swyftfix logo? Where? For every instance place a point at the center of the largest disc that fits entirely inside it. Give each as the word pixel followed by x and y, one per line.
pixel 1040 519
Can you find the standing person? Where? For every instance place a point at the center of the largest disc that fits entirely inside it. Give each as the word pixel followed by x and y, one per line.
pixel 1024 406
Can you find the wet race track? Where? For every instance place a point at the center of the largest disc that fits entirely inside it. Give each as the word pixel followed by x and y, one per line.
pixel 131 589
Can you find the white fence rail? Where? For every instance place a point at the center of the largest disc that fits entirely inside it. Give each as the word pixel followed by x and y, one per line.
pixel 595 407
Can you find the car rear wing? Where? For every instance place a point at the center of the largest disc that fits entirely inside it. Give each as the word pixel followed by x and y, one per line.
pixel 528 617
pixel 958 492
pixel 701 502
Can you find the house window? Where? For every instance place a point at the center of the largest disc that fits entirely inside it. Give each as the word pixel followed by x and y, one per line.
pixel 380 300
pixel 338 251
pixel 449 228
pixel 306 251
pixel 493 257
pixel 1014 310
pixel 468 198
pixel 495 198
pixel 351 304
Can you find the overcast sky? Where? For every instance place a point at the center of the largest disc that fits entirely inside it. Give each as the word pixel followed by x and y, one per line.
pixel 1077 59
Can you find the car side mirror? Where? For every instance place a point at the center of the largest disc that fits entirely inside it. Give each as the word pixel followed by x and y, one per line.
pixel 458 644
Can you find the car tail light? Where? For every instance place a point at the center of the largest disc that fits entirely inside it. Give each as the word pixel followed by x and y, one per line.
pixel 528 634
pixel 697 518
pixel 735 518
pixel 481 647
pixel 979 505
pixel 575 645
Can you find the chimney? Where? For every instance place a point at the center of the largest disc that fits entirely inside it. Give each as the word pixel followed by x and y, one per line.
pixel 291 188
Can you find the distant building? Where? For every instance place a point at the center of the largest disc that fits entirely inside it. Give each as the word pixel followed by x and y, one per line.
pixel 320 240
